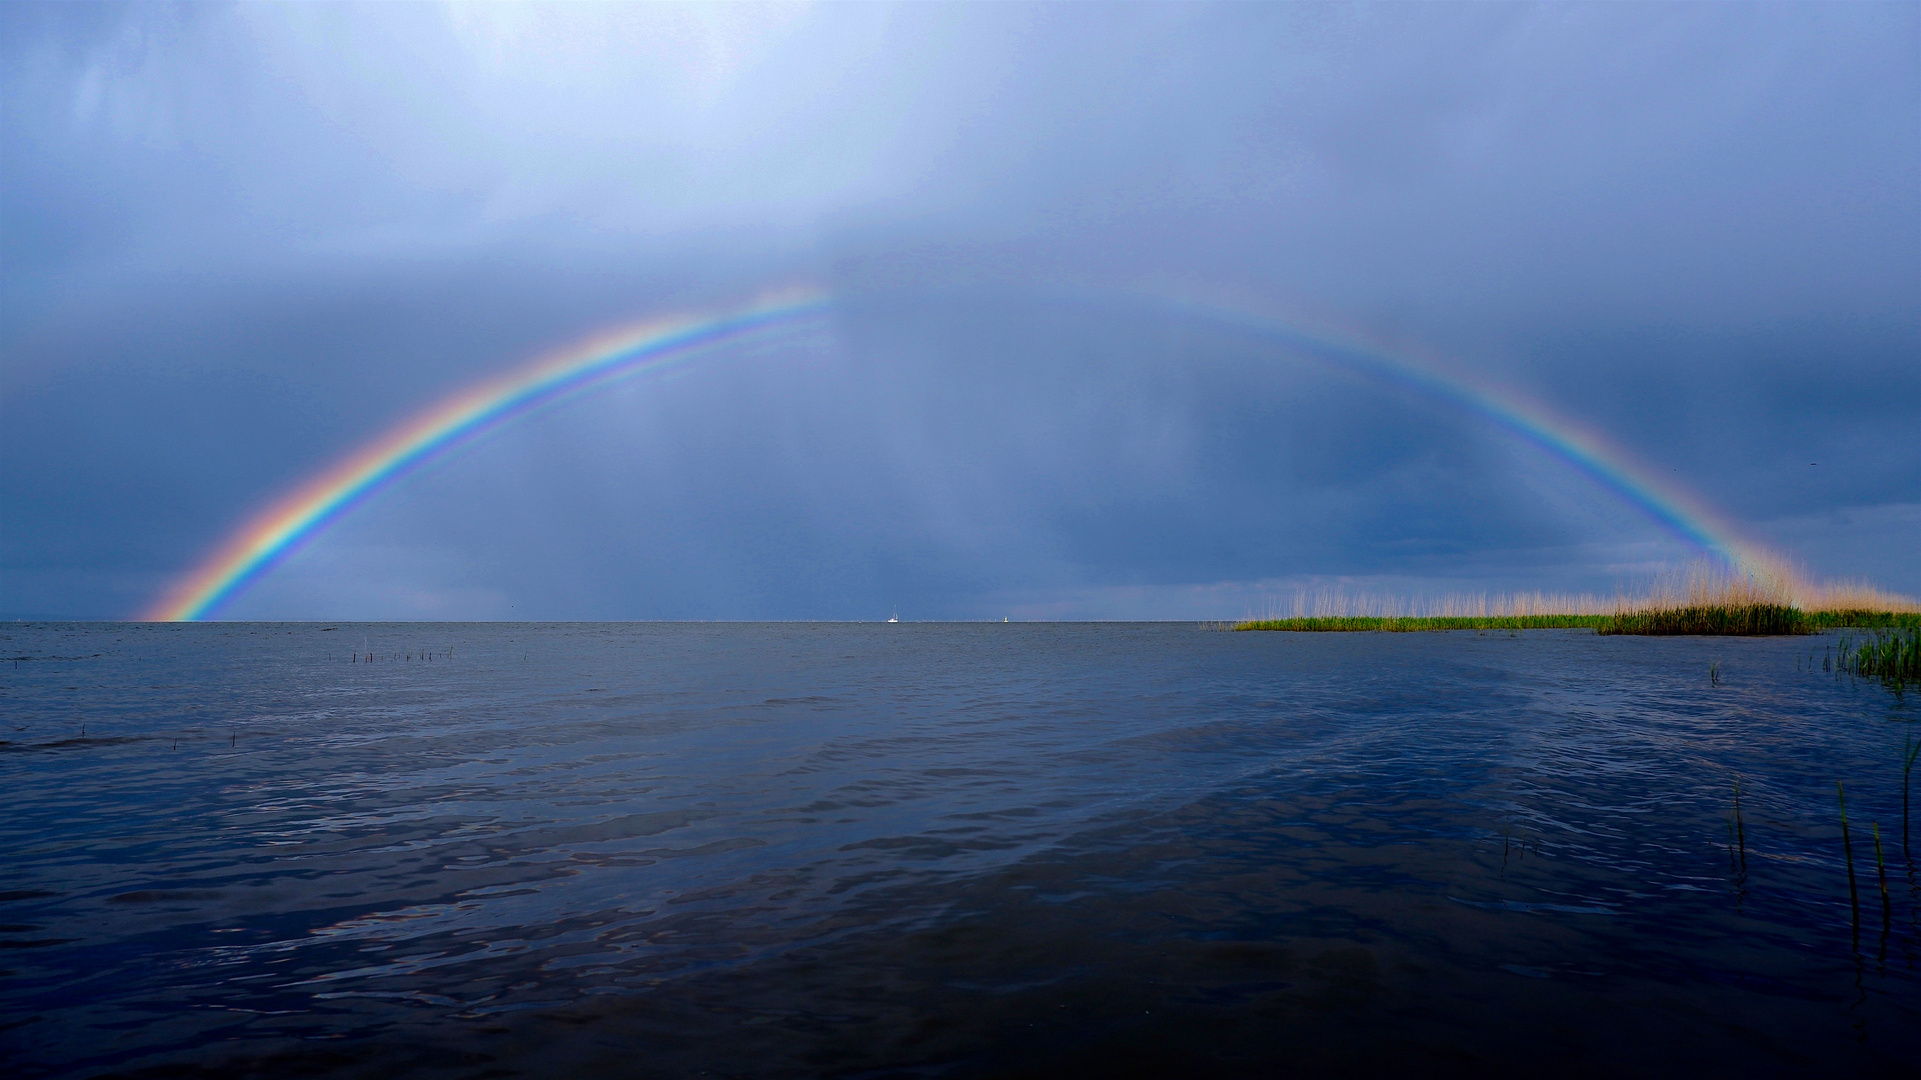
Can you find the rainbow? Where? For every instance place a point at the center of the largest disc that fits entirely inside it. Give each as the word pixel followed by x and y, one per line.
pixel 283 526
pixel 1608 465
pixel 652 346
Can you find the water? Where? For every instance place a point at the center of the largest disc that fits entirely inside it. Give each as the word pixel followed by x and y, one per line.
pixel 934 850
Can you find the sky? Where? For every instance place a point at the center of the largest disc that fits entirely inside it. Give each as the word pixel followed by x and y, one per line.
pixel 237 243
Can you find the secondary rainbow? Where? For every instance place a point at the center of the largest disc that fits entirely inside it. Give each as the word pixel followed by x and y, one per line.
pixel 652 346
pixel 629 350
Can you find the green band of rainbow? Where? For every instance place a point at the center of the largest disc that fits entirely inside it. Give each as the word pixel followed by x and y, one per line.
pixel 272 535
pixel 629 350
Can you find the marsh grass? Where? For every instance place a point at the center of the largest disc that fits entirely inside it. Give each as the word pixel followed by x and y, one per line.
pixel 1404 623
pixel 1707 601
pixel 1864 620
pixel 1337 611
pixel 1855 597
pixel 1749 620
pixel 1701 600
pixel 1892 656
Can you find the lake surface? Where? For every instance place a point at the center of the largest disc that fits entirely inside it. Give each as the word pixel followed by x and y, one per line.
pixel 942 850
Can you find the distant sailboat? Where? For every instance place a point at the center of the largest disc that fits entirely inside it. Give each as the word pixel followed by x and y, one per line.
pixel 895 617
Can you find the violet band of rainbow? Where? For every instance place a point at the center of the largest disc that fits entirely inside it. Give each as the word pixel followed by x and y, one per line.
pixel 629 350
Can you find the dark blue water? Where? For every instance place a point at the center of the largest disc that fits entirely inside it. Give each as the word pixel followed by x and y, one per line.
pixel 932 850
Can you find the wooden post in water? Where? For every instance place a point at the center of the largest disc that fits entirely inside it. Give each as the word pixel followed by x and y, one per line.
pixel 1740 831
pixel 1907 766
pixel 1847 854
pixel 1887 909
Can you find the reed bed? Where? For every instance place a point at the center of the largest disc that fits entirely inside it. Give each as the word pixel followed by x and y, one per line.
pixel 1857 604
pixel 1408 623
pixel 1737 620
pixel 1702 600
pixel 1854 596
pixel 1862 619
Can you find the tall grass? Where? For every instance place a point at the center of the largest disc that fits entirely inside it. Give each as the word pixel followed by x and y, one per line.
pixel 1739 620
pixel 1405 623
pixel 1709 600
pixel 1329 609
pixel 1700 600
pixel 1845 596
pixel 1861 619
pixel 1894 657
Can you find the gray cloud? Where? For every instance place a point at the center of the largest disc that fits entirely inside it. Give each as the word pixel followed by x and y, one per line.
pixel 239 240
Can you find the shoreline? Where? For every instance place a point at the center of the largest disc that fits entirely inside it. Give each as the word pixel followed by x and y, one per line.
pixel 1743 620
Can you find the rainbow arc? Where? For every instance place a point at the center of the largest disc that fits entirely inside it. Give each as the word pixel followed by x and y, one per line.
pixel 305 511
pixel 651 346
pixel 1587 450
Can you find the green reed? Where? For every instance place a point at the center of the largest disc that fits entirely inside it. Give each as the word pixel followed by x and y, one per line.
pixel 1864 619
pixel 1892 656
pixel 1408 623
pixel 1746 620
pixel 1743 620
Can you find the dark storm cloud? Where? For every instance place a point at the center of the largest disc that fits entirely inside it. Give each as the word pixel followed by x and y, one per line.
pixel 238 241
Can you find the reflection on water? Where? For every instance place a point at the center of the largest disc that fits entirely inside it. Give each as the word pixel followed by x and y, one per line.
pixel 942 849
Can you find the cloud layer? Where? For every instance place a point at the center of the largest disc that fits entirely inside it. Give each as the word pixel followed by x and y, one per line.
pixel 239 240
